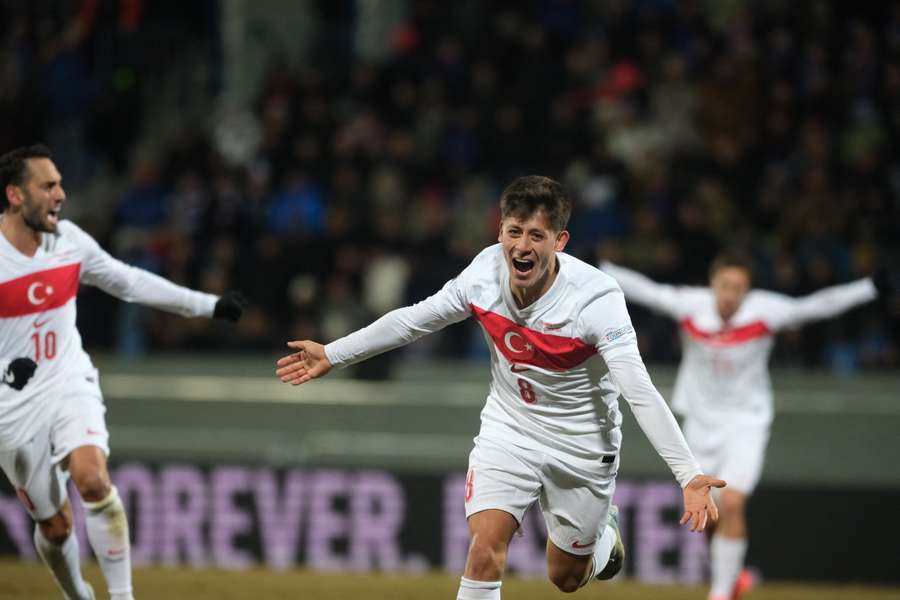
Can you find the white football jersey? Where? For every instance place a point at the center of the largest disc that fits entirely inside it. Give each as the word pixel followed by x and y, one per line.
pixel 724 366
pixel 37 318
pixel 558 366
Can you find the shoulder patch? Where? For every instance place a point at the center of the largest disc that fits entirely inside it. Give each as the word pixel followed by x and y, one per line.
pixel 611 335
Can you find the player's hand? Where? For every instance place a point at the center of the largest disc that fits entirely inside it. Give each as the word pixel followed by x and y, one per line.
pixel 230 306
pixel 309 362
pixel 699 506
pixel 19 372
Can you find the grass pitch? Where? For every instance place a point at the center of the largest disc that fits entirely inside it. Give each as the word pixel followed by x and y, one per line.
pixel 31 581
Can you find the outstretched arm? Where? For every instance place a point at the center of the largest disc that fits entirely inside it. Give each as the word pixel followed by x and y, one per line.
pixel 628 372
pixel 397 328
pixel 617 344
pixel 823 304
pixel 309 362
pixel 667 299
pixel 132 284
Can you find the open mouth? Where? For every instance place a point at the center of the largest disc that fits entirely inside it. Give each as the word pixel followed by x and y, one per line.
pixel 53 215
pixel 522 265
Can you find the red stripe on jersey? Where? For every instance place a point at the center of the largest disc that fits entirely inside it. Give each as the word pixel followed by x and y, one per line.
pixel 727 337
pixel 37 292
pixel 526 346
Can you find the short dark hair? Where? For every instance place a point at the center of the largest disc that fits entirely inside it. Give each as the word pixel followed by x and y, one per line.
pixel 733 257
pixel 527 195
pixel 14 167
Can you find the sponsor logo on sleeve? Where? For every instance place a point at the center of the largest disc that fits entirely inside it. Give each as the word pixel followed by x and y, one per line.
pixel 611 335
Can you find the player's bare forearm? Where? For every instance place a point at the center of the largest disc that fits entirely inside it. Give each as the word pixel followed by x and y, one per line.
pixel 699 506
pixel 307 363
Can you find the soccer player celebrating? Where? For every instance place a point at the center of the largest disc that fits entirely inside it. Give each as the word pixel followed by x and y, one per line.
pixel 562 352
pixel 723 387
pixel 51 409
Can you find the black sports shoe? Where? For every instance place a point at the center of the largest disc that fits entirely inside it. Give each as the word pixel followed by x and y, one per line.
pixel 617 556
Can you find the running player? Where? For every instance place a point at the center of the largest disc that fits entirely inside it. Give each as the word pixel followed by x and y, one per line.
pixel 562 352
pixel 723 389
pixel 51 409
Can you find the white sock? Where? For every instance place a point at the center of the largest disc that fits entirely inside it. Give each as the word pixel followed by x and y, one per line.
pixel 727 559
pixel 470 589
pixel 602 551
pixel 107 529
pixel 63 563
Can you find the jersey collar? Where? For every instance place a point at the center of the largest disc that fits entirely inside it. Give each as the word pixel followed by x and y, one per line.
pixel 549 297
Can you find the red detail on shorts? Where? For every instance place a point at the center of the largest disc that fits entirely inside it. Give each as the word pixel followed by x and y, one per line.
pixel 580 546
pixel 115 552
pixel 727 337
pixel 92 432
pixel 38 292
pixel 470 484
pixel 526 346
pixel 25 499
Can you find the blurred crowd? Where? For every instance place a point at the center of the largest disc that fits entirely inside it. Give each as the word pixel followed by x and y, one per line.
pixel 366 180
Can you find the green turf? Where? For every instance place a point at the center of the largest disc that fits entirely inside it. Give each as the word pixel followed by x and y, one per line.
pixel 31 581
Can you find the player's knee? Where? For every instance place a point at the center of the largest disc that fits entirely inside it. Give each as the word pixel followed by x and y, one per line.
pixel 57 528
pixel 732 504
pixel 566 581
pixel 93 486
pixel 487 561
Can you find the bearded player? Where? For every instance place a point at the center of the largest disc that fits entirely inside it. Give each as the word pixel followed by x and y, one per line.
pixel 52 424
pixel 723 387
pixel 562 352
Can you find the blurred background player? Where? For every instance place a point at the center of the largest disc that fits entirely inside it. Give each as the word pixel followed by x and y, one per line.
pixel 723 388
pixel 52 422
pixel 562 352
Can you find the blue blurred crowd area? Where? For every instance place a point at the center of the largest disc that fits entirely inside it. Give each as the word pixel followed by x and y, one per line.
pixel 364 172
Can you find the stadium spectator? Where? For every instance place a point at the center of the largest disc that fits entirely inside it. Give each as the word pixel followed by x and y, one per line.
pixel 683 127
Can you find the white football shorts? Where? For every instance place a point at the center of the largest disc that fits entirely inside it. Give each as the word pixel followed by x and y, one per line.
pixel 575 503
pixel 731 451
pixel 35 469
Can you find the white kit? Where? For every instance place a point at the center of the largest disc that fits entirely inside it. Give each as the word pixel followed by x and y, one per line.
pixel 723 387
pixel 558 368
pixel 37 321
